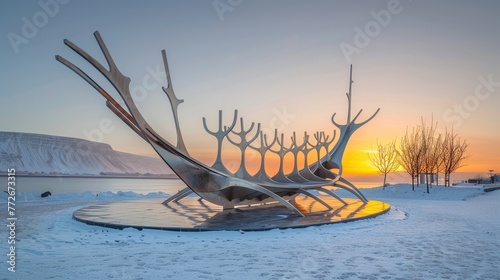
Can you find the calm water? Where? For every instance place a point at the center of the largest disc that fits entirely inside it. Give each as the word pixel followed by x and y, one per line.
pixel 367 185
pixel 78 185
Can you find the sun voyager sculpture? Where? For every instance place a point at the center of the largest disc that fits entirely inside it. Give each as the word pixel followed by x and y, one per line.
pixel 216 183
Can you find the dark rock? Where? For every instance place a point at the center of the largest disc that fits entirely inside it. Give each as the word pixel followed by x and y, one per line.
pixel 45 194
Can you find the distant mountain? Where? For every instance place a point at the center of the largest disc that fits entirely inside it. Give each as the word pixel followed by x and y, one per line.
pixel 40 153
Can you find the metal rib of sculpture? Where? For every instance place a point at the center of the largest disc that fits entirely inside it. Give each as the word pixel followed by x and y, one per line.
pixel 217 184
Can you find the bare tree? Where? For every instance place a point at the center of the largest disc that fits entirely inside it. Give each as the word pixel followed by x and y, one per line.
pixel 453 155
pixel 419 146
pixel 410 154
pixel 386 159
pixel 422 152
pixel 436 157
pixel 431 147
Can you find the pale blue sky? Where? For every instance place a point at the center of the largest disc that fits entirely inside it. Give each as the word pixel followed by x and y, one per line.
pixel 260 57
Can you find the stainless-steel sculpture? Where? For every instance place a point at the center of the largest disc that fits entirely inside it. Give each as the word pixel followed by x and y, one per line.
pixel 217 184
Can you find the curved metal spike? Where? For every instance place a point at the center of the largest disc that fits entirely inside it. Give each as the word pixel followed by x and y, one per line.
pixel 231 141
pixel 334 135
pixel 107 55
pixel 246 131
pixel 256 134
pixel 283 149
pixel 328 136
pixel 370 118
pixel 235 118
pixel 274 138
pixel 334 122
pixel 357 115
pixel 204 120
pixel 316 137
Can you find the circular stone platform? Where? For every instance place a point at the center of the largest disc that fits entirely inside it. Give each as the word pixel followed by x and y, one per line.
pixel 191 214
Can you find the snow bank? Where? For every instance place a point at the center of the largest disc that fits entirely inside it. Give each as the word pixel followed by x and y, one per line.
pixel 34 197
pixel 404 191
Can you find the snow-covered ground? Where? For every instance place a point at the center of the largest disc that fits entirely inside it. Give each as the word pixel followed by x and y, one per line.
pixel 452 233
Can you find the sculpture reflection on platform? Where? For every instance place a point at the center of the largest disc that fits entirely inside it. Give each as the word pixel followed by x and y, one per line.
pixel 195 214
pixel 216 183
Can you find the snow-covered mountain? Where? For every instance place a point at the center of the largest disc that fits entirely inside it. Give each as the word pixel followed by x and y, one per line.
pixel 64 155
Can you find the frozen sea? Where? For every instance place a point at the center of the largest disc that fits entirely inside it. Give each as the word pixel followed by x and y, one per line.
pixel 58 185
